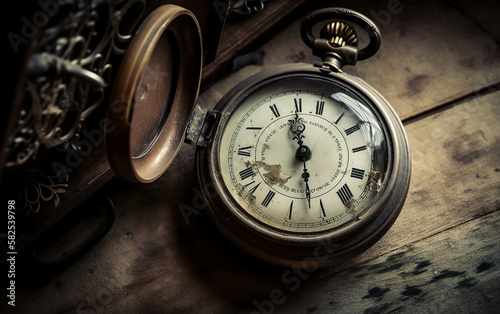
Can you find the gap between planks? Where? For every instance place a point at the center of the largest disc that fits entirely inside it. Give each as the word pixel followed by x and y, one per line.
pixel 486 97
pixel 410 278
pixel 452 103
pixel 407 245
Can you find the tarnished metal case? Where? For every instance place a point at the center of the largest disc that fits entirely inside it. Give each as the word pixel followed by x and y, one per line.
pixel 322 248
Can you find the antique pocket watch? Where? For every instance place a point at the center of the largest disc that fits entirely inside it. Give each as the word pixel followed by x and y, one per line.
pixel 298 164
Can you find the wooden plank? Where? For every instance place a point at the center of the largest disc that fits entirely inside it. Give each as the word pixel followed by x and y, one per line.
pixel 484 13
pixel 424 61
pixel 433 275
pixel 455 173
pixel 153 258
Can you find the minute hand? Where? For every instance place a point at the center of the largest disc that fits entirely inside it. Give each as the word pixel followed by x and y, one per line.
pixel 305 176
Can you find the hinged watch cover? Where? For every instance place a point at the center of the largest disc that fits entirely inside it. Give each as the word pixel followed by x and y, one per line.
pixel 154 94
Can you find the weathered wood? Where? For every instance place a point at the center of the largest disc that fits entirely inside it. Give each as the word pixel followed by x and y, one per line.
pixel 431 54
pixel 455 172
pixel 483 13
pixel 442 254
pixel 156 258
pixel 432 275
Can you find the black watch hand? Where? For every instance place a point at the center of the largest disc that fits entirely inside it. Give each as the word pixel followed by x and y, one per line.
pixel 305 176
pixel 297 127
pixel 303 152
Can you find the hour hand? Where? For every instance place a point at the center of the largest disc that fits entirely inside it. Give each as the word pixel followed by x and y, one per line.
pixel 297 127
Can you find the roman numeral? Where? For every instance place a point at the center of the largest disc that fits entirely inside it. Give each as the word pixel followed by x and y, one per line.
pixel 352 129
pixel 248 172
pixel 268 198
pixel 341 115
pixel 359 149
pixel 320 105
pixel 322 213
pixel 255 128
pixel 344 193
pixel 244 151
pixel 275 111
pixel 252 190
pixel 357 173
pixel 298 105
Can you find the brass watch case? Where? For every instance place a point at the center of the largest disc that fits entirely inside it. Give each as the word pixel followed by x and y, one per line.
pixel 169 43
pixel 319 248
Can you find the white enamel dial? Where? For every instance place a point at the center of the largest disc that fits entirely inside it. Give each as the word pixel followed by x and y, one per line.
pixel 300 160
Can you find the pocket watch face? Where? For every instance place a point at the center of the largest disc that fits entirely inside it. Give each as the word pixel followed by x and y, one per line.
pixel 302 154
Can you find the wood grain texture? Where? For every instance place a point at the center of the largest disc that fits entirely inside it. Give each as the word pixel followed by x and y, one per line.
pixel 483 13
pixel 442 255
pixel 432 275
pixel 154 259
pixel 431 54
pixel 455 170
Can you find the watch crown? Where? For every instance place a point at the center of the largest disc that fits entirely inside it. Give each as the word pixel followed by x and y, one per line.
pixel 339 34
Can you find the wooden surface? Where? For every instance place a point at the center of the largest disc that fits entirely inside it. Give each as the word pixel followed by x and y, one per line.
pixel 439 66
